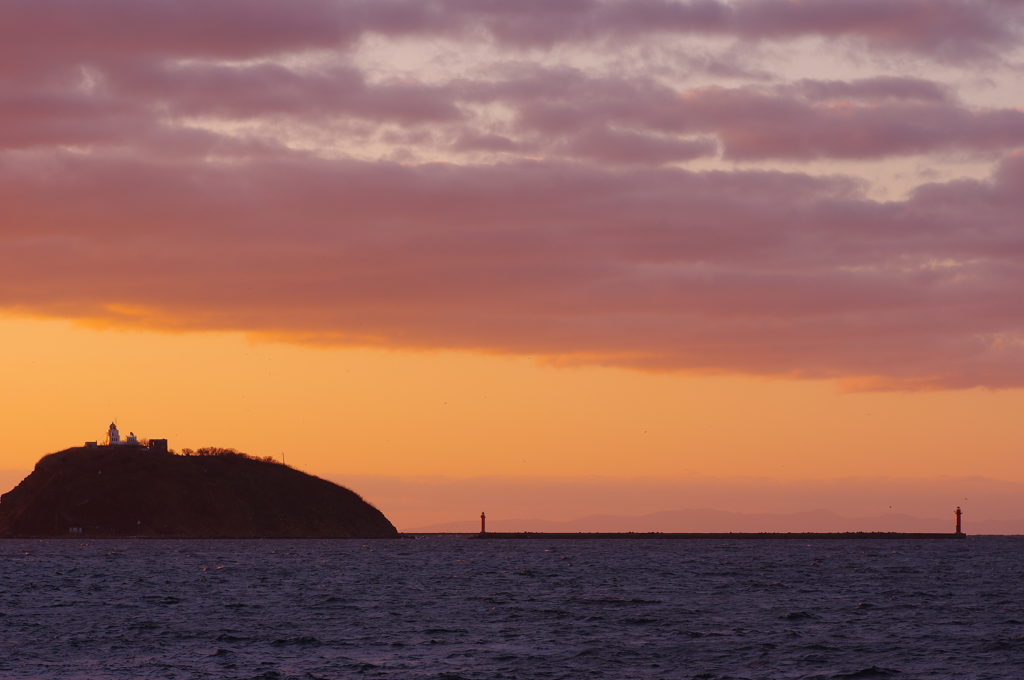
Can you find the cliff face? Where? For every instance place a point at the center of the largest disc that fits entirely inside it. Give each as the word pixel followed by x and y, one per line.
pixel 131 491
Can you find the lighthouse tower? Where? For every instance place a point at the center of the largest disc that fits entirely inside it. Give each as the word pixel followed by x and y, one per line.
pixel 113 436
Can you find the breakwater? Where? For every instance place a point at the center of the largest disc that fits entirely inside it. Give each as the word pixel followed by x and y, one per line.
pixel 852 535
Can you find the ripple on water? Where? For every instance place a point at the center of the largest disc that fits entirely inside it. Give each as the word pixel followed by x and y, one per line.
pixel 456 608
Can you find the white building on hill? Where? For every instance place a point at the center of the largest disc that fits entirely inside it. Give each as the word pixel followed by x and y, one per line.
pixel 114 439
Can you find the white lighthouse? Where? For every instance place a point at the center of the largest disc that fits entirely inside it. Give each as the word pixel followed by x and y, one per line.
pixel 113 436
pixel 132 441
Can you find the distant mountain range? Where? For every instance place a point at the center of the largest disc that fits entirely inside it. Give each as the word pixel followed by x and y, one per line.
pixel 450 503
pixel 707 520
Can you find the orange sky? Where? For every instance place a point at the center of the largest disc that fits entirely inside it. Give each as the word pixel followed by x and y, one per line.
pixel 356 411
pixel 626 238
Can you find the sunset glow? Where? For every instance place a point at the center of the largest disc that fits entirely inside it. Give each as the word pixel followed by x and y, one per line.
pixel 423 239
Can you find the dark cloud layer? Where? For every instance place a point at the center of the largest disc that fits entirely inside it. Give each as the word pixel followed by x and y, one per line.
pixel 556 112
pixel 148 176
pixel 238 29
pixel 764 273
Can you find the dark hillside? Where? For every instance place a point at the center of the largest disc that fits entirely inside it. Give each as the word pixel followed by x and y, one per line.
pixel 132 491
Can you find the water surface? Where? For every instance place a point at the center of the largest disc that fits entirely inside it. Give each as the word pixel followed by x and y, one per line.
pixel 460 608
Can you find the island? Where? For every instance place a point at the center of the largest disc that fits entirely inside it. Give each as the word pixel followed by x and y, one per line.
pixel 132 489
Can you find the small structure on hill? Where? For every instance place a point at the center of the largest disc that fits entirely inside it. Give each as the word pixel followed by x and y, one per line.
pixel 114 439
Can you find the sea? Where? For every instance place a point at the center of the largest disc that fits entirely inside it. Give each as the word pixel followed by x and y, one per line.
pixel 450 607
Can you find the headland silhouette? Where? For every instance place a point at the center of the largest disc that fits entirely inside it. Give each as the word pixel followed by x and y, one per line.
pixel 141 489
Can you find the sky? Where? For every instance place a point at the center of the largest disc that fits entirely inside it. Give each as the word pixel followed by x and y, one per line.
pixel 413 244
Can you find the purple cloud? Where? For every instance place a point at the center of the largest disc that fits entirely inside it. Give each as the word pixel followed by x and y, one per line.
pixel 211 149
pixel 765 273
